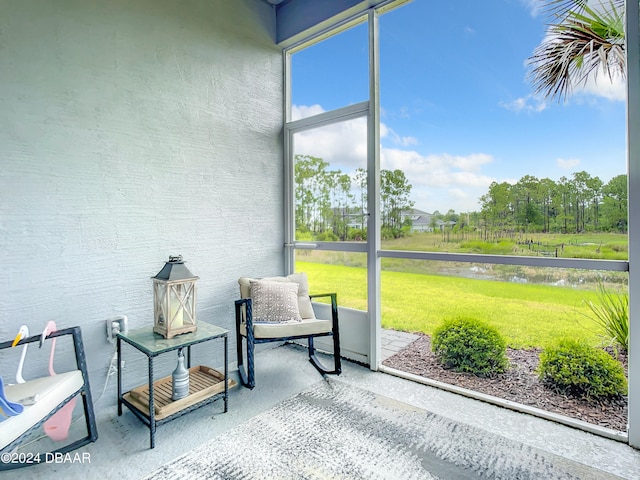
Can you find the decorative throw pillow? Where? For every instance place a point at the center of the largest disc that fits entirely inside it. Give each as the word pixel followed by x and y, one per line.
pixel 304 303
pixel 275 302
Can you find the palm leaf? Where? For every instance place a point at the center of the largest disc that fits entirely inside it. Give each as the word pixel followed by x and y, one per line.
pixel 581 44
pixel 560 9
pixel 611 313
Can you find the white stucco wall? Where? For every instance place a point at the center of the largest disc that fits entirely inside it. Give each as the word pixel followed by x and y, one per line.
pixel 131 131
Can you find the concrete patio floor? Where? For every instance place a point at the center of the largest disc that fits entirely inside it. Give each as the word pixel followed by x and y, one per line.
pixel 122 450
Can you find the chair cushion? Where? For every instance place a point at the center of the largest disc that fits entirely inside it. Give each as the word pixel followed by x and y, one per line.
pixel 304 303
pixel 47 392
pixel 288 329
pixel 275 302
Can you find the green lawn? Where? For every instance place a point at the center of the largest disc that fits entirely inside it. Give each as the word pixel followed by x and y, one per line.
pixel 526 315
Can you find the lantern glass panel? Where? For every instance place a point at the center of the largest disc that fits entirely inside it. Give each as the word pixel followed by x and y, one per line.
pixel 174 292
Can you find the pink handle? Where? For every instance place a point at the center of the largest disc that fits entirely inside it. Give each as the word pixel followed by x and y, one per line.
pixel 50 328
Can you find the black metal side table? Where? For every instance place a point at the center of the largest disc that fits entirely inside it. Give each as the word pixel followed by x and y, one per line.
pixel 153 405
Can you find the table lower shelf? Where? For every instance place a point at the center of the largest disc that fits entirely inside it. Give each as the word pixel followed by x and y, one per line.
pixel 204 382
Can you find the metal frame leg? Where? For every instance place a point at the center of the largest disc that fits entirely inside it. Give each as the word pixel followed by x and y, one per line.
pixel 226 374
pixel 152 414
pixel 119 357
pixel 247 375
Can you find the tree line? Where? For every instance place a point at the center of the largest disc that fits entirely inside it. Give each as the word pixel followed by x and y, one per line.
pixel 580 203
pixel 331 205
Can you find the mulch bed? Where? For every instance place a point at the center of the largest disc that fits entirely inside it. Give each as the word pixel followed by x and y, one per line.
pixel 519 384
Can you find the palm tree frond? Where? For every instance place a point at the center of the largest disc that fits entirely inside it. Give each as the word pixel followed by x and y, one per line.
pixel 576 48
pixel 560 9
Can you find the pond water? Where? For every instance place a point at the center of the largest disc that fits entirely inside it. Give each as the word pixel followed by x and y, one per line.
pixel 559 277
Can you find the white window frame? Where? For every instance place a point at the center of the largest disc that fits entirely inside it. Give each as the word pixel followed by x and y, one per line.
pixel 372 247
pixel 633 168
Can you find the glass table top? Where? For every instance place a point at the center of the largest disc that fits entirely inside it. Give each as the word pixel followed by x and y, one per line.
pixel 146 340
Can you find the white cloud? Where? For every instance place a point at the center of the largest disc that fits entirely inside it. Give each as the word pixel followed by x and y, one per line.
pixel 437 170
pixel 471 163
pixel 397 139
pixel 304 111
pixel 568 163
pixel 534 7
pixel 529 104
pixel 444 199
pixel 601 85
pixel 440 181
pixel 343 145
pixel 408 141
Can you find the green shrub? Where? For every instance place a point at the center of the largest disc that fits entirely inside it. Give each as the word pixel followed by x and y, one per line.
pixel 617 247
pixel 500 247
pixel 327 236
pixel 304 235
pixel 574 368
pixel 469 345
pixel 357 234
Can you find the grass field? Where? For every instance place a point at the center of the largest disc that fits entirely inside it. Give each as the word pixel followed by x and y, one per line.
pixel 526 315
pixel 603 246
pixel 607 246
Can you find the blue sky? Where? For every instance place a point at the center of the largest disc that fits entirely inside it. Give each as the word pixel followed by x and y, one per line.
pixel 457 109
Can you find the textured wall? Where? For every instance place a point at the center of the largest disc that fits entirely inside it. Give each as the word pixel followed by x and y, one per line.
pixel 131 131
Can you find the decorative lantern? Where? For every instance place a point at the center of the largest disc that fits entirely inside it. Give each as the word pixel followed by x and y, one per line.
pixel 174 299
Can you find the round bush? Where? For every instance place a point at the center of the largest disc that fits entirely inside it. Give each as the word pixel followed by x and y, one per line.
pixel 573 368
pixel 469 345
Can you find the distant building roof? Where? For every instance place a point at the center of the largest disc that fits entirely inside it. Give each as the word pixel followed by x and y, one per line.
pixel 422 220
pixel 414 211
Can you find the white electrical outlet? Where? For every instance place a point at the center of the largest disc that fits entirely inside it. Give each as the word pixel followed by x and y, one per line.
pixel 116 325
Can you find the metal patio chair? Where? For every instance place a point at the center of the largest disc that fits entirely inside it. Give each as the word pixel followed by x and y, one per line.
pixel 42 397
pixel 276 309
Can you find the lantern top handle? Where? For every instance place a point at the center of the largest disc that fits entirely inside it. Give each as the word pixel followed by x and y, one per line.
pixel 175 270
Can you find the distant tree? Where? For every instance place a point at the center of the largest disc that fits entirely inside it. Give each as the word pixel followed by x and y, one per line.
pixel 547 190
pixel 580 191
pixel 614 203
pixel 395 192
pixel 577 204
pixel 341 198
pixel 435 216
pixel 566 199
pixel 312 194
pixel 360 179
pixel 497 208
pixel 585 201
pixel 451 216
pixel 594 189
pixel 473 219
pixel 328 201
pixel 527 203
